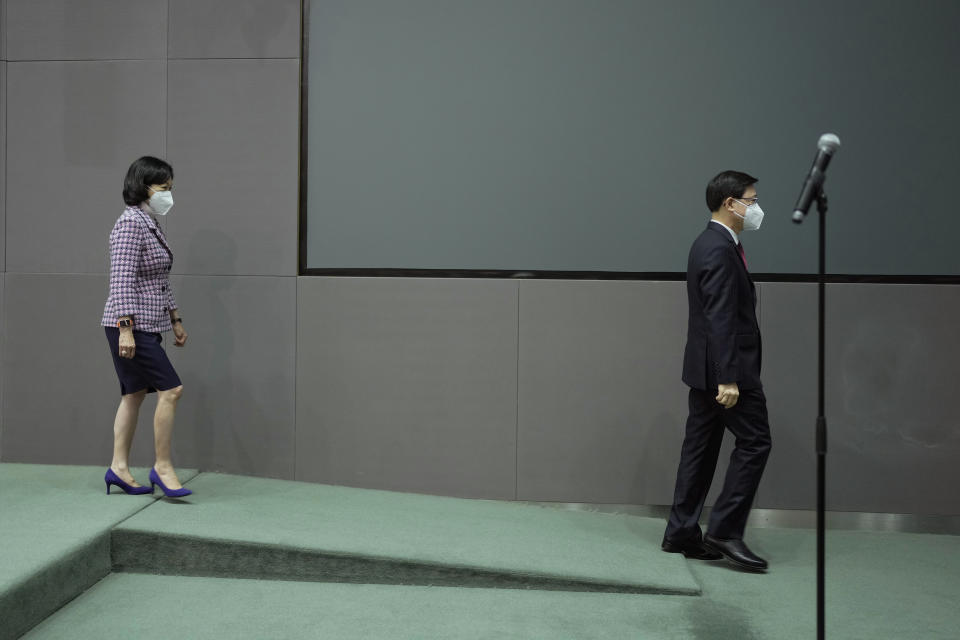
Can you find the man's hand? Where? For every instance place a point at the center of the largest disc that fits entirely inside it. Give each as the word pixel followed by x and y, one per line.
pixel 728 394
pixel 179 334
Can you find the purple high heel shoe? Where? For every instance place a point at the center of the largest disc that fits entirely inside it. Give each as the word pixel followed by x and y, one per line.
pixel 170 493
pixel 113 479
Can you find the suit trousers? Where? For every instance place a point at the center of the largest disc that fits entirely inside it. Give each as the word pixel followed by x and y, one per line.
pixel 747 420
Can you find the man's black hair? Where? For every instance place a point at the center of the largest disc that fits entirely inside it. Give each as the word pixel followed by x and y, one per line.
pixel 729 184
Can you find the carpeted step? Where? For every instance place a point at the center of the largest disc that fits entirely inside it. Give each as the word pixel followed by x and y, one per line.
pixel 236 526
pixel 212 608
pixel 55 524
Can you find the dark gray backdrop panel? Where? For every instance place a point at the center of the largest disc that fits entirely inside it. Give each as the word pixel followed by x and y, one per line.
pixel 579 134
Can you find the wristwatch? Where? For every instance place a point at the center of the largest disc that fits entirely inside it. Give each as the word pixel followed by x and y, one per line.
pixel 176 320
pixel 124 323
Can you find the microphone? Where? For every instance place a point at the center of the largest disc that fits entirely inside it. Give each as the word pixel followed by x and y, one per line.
pixel 826 147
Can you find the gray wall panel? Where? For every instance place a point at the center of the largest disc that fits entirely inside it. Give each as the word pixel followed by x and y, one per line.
pixel 601 405
pixel 60 389
pixel 233 145
pixel 238 366
pixel 237 413
pixel 788 324
pixel 74 128
pixel 101 30
pixel 231 29
pixel 3 29
pixel 3 353
pixel 408 384
pixel 3 164
pixel 892 414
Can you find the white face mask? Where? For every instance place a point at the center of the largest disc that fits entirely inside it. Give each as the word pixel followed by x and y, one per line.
pixel 752 217
pixel 160 202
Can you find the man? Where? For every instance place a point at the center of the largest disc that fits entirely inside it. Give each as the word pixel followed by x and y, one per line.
pixel 721 365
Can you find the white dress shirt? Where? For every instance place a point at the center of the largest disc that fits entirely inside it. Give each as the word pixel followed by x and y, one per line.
pixel 736 238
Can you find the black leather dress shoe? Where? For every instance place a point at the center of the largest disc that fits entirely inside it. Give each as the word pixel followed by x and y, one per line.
pixel 736 552
pixel 693 550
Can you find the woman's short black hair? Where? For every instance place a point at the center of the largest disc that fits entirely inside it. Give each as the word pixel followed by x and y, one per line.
pixel 142 173
pixel 729 184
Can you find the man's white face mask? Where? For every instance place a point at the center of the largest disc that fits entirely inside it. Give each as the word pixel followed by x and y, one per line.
pixel 752 217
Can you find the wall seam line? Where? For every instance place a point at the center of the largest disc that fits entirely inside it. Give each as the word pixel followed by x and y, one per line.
pixel 6 117
pixel 166 88
pixel 516 437
pixel 3 284
pixel 296 367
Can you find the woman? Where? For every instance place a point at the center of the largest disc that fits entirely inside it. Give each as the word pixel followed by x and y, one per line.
pixel 139 308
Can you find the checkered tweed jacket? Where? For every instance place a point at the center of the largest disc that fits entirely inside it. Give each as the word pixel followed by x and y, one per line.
pixel 140 263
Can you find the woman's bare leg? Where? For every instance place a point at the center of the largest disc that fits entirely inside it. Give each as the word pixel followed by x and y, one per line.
pixel 124 425
pixel 163 435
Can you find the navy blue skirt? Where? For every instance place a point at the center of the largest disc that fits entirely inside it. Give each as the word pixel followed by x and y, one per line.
pixel 149 368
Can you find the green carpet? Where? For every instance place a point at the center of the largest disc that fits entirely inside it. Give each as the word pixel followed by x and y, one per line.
pixel 59 534
pixel 237 515
pixel 879 586
pixel 55 524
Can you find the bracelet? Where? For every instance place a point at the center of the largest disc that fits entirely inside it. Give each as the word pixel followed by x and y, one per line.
pixel 176 320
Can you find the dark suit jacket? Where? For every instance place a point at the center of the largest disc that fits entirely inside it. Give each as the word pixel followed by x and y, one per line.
pixel 723 336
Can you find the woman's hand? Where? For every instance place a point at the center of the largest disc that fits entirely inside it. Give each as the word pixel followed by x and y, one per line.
pixel 128 346
pixel 179 334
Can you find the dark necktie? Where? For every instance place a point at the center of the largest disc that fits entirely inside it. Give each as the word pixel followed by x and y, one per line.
pixel 742 255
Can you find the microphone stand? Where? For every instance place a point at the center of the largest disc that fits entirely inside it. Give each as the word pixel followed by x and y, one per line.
pixel 827 145
pixel 821 418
